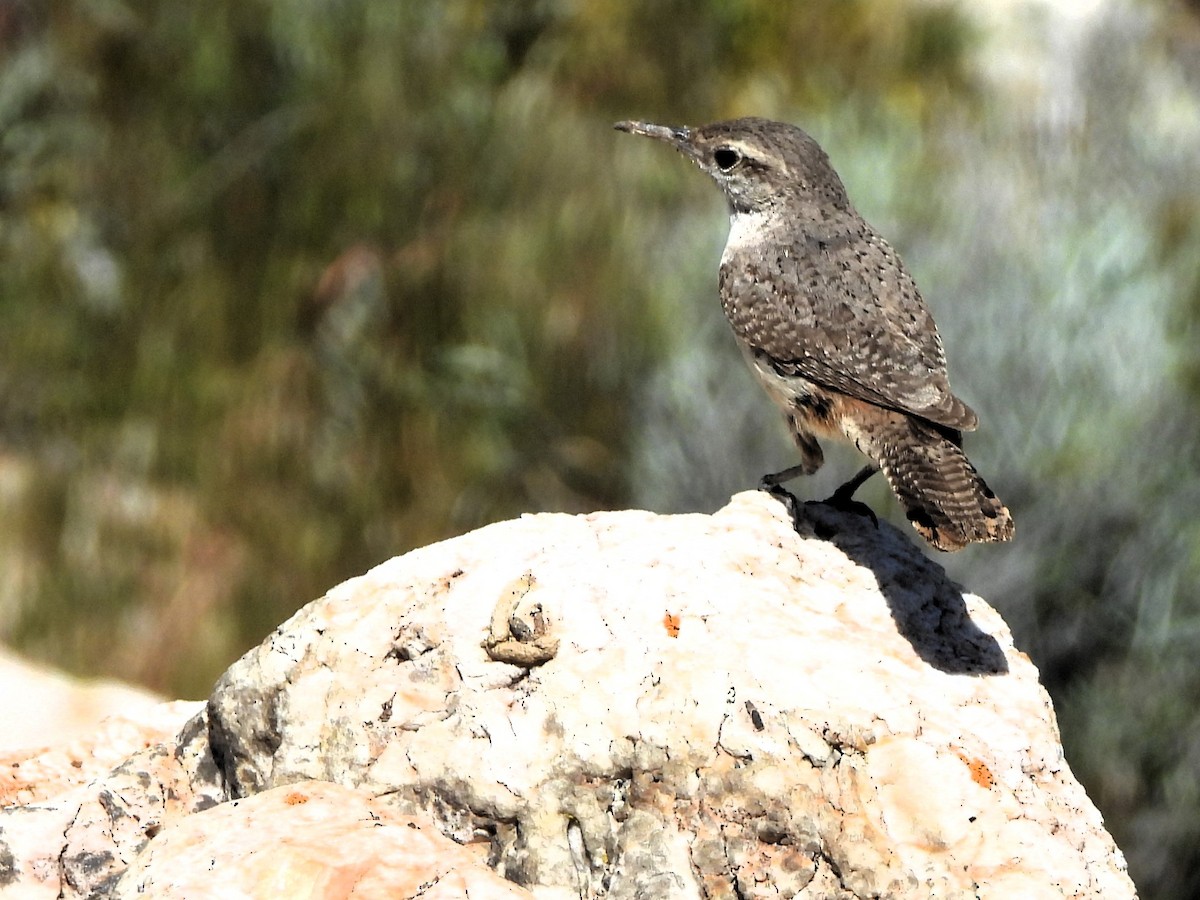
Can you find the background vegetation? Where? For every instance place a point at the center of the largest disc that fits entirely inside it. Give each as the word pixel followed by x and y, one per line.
pixel 290 287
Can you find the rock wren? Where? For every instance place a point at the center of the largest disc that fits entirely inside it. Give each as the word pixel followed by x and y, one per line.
pixel 835 329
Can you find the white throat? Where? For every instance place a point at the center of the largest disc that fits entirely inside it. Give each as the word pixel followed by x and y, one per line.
pixel 744 228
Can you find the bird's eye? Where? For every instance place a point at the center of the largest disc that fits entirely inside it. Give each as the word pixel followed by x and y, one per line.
pixel 726 158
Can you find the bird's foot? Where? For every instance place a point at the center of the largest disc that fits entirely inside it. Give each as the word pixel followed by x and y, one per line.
pixel 771 484
pixel 784 496
pixel 843 500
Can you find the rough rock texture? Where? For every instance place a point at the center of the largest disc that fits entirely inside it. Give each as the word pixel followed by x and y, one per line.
pixel 313 840
pixel 630 705
pixel 78 840
pixel 28 776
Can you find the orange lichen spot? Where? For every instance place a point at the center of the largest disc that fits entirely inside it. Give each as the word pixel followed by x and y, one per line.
pixel 295 798
pixel 671 623
pixel 980 773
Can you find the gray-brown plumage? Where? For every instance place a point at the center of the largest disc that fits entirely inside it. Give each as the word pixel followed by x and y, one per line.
pixel 835 328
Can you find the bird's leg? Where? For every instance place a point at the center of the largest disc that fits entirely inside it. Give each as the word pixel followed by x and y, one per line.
pixel 773 485
pixel 843 497
pixel 845 493
pixel 811 458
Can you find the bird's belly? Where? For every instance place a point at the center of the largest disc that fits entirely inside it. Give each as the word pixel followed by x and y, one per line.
pixel 819 409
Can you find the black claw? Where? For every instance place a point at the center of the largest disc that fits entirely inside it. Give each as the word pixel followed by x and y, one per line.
pixel 843 500
pixel 770 486
pixel 772 480
pixel 784 496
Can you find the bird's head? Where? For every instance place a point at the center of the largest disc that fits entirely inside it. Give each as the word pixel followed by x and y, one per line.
pixel 758 163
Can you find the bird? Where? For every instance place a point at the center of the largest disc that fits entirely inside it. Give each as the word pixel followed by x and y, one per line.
pixel 834 327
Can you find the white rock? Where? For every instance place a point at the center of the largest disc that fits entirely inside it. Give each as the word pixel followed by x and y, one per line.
pixel 43 707
pixel 309 840
pixel 33 775
pixel 630 705
pixel 75 841
pixel 810 719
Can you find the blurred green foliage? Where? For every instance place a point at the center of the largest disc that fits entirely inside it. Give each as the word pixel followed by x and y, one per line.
pixel 291 287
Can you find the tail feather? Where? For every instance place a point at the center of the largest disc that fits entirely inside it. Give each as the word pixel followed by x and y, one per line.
pixel 946 500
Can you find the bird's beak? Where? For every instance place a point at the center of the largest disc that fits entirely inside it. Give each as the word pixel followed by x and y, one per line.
pixel 679 138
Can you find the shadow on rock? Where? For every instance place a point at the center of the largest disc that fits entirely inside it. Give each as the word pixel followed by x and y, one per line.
pixel 928 607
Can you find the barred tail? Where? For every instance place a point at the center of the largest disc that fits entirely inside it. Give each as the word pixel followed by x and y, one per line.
pixel 946 500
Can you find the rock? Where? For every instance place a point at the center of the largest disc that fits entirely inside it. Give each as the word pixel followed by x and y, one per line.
pixel 43 707
pixel 29 776
pixel 311 839
pixel 631 705
pixel 78 841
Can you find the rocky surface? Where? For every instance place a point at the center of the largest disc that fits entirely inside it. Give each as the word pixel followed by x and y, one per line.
pixel 77 840
pixel 31 776
pixel 312 840
pixel 621 705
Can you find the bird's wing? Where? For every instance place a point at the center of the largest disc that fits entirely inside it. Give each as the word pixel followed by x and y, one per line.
pixel 843 312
